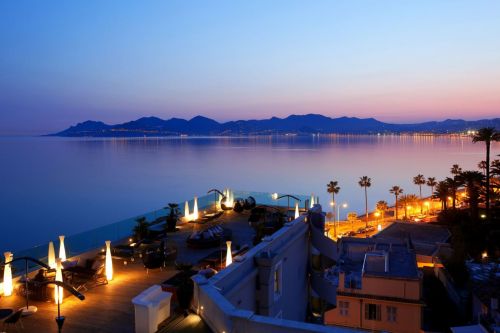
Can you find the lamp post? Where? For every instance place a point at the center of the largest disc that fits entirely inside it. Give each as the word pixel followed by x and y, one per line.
pixel 344 205
pixel 60 319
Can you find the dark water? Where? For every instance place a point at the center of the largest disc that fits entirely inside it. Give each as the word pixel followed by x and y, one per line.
pixel 52 186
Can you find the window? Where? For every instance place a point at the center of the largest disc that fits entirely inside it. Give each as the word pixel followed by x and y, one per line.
pixel 344 308
pixel 277 281
pixel 372 312
pixel 392 312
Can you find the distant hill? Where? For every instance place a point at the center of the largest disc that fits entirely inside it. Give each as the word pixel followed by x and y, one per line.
pixel 294 124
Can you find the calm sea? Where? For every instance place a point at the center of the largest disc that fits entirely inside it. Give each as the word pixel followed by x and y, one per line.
pixel 52 186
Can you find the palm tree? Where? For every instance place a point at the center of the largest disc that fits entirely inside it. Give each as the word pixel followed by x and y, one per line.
pixel 382 206
pixel 487 135
pixel 472 181
pixel 431 182
pixel 453 185
pixel 365 182
pixel 442 192
pixel 408 200
pixel 495 168
pixel 172 217
pixel 455 169
pixel 482 166
pixel 333 188
pixel 419 180
pixel 397 191
pixel 141 230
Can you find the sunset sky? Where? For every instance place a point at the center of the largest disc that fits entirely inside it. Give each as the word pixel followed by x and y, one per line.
pixel 398 61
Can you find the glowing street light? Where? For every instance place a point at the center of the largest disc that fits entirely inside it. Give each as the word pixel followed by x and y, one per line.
pixel 109 261
pixel 274 196
pixel 344 205
pixel 7 275
pixel 62 249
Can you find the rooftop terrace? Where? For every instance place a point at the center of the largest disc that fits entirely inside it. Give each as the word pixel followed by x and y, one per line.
pixel 108 308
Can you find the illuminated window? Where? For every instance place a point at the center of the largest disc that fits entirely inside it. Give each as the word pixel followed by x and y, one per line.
pixel 344 308
pixel 392 313
pixel 372 312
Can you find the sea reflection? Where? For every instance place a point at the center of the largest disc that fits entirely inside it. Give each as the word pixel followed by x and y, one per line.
pixel 53 186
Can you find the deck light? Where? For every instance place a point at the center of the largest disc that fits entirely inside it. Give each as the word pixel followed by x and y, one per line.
pixel 58 291
pixel 296 210
pixel 229 255
pixel 312 200
pixel 62 250
pixel 195 209
pixel 109 261
pixel 51 258
pixel 186 211
pixel 484 255
pixel 7 275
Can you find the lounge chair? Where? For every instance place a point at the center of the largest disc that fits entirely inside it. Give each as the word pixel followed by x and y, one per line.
pixel 88 276
pixel 13 320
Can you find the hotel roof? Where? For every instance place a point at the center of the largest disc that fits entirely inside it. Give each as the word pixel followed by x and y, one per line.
pixel 378 258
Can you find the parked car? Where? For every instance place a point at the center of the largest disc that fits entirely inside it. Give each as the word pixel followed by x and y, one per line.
pixel 369 228
pixel 361 230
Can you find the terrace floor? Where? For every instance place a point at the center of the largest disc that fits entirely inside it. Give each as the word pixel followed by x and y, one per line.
pixel 109 308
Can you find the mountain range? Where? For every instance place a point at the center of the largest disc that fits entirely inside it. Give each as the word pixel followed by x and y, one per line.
pixel 294 124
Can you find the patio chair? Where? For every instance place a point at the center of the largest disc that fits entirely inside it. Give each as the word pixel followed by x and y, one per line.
pixel 84 278
pixel 14 320
pixel 153 259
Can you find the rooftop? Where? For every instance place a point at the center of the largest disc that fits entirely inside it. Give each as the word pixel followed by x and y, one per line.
pixel 377 257
pixel 419 232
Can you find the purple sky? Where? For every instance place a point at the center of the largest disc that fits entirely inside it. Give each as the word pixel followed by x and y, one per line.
pixel 63 63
